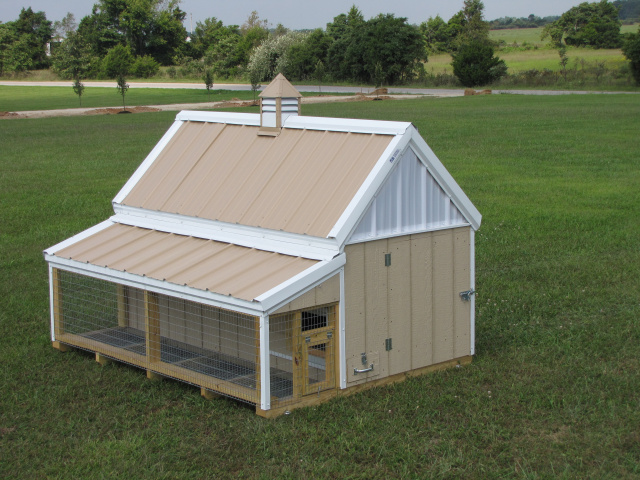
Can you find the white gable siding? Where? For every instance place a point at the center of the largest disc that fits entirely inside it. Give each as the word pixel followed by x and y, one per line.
pixel 410 201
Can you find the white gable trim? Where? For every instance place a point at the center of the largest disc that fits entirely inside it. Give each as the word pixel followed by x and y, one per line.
pixel 444 179
pixel 80 236
pixel 360 202
pixel 347 125
pixel 231 118
pixel 286 243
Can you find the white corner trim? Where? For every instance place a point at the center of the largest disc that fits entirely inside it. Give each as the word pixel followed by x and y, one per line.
pixel 342 337
pixel 80 236
pixel 158 286
pixel 315 248
pixel 300 283
pixel 360 202
pixel 51 305
pixel 472 286
pixel 231 118
pixel 265 364
pixel 146 164
pixel 444 179
pixel 347 125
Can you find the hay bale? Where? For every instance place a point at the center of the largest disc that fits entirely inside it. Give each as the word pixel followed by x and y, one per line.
pixel 469 91
pixel 380 91
pixel 484 92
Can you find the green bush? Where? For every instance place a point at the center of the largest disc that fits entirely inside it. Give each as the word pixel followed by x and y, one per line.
pixel 145 67
pixel 475 64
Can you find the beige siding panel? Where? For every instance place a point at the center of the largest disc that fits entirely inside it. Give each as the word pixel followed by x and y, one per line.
pixel 300 181
pixel 327 292
pixel 354 292
pixel 421 300
pixel 163 307
pixel 399 299
pixel 443 296
pixel 462 309
pixel 228 333
pixel 193 324
pixel 204 264
pixel 136 308
pixel 178 324
pixel 376 305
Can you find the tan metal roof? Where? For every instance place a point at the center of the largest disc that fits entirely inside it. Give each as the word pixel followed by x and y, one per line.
pixel 280 88
pixel 299 182
pixel 223 268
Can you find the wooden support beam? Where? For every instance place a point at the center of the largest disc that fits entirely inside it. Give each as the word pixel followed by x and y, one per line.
pixel 102 360
pixel 123 308
pixel 61 346
pixel 153 376
pixel 296 332
pixel 152 326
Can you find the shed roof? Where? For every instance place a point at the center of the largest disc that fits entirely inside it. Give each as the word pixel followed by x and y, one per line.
pixel 300 182
pixel 227 269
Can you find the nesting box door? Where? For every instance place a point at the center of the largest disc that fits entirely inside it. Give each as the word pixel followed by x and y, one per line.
pixel 314 359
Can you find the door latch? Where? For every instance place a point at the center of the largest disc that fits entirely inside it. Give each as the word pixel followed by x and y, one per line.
pixel 466 295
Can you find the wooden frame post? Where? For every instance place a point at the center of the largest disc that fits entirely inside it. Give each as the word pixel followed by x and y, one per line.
pixel 152 326
pixel 58 319
pixel 123 306
pixel 296 343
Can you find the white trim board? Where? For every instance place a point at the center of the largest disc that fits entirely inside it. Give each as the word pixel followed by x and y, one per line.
pixel 296 245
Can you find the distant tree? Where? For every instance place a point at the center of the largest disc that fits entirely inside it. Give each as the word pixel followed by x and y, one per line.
pixel 62 28
pixel 319 74
pixel 78 89
pixel 254 21
pixel 564 60
pixel 272 57
pixel 588 24
pixel 475 64
pixel 254 78
pixel 32 31
pixel 631 50
pixel 117 62
pixel 303 57
pixel 436 34
pixel 207 78
pixel 72 59
pixel 628 9
pixel 144 67
pixel 123 86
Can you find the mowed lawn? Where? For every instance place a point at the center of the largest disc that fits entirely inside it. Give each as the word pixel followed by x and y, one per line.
pixel 553 389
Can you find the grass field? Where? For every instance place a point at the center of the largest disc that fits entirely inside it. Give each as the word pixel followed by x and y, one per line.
pixel 552 391
pixel 21 98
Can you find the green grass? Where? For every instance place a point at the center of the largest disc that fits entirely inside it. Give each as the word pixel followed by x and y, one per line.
pixel 552 392
pixel 20 98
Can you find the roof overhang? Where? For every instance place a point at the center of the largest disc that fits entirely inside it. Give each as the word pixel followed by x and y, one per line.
pixel 264 303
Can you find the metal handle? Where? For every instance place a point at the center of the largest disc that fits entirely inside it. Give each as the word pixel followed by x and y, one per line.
pixel 364 370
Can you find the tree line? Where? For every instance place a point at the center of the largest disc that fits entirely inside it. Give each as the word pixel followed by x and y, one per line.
pixel 123 38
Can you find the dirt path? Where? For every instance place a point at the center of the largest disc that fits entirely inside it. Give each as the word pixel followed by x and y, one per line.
pixel 70 112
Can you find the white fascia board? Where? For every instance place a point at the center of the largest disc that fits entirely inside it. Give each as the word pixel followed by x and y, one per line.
pixel 80 236
pixel 144 166
pixel 159 286
pixel 346 125
pixel 444 179
pixel 301 283
pixel 361 200
pixel 296 245
pixel 249 119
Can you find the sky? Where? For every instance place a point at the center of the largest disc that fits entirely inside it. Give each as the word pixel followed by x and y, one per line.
pixel 303 14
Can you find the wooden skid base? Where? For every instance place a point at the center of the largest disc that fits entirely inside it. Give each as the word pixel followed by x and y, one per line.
pixel 322 397
pixel 63 347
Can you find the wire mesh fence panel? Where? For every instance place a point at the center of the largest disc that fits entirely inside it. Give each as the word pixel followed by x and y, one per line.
pixel 200 344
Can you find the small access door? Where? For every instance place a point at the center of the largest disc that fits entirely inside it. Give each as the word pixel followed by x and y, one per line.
pixel 314 360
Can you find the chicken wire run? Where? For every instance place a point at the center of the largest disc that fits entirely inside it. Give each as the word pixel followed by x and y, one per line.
pixel 213 348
